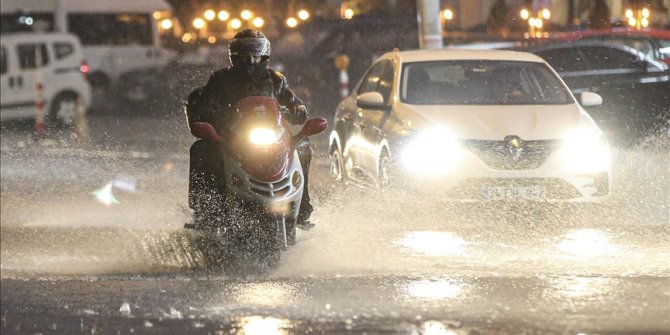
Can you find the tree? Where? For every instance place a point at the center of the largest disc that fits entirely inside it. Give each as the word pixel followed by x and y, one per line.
pixel 599 18
pixel 498 19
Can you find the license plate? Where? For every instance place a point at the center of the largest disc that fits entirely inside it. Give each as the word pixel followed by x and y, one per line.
pixel 534 192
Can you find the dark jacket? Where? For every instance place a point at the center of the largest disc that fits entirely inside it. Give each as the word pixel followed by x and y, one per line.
pixel 215 102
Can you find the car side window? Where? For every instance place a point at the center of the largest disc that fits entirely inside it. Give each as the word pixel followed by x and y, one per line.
pixel 602 58
pixel 3 60
pixel 32 56
pixel 62 49
pixel 563 59
pixel 372 79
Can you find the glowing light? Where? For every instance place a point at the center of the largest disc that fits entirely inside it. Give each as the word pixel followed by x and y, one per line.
pixel 157 15
pixel 645 22
pixel 105 196
pixel 586 242
pixel 419 156
pixel 257 325
pixel 348 13
pixel 546 14
pixel 258 22
pixel 235 23
pixel 187 37
pixel 263 136
pixel 198 23
pixel 433 290
pixel 291 22
pixel 211 39
pixel 210 15
pixel 586 152
pixel 645 13
pixel 632 21
pixel 525 14
pixel 223 15
pixel 531 22
pixel 303 14
pixel 166 24
pixel 434 243
pixel 448 14
pixel 539 23
pixel 246 14
pixel 629 13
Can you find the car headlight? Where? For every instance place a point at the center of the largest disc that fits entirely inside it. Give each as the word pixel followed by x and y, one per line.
pixel 586 152
pixel 432 152
pixel 265 136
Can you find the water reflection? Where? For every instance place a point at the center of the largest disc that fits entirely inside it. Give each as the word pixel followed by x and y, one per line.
pixel 433 289
pixel 587 242
pixel 267 294
pixel 579 287
pixel 434 243
pixel 436 328
pixel 258 325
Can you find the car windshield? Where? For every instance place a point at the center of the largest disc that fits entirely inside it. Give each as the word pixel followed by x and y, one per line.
pixel 481 82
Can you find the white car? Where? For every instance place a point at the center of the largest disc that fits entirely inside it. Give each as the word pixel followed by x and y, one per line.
pixel 470 125
pixel 47 67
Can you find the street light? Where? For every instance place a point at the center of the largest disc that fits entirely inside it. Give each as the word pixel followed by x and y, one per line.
pixel 198 23
pixel 525 14
pixel 258 22
pixel 638 18
pixel 166 24
pixel 223 15
pixel 235 23
pixel 448 14
pixel 246 14
pixel 535 23
pixel 291 22
pixel 210 15
pixel 303 14
pixel 348 13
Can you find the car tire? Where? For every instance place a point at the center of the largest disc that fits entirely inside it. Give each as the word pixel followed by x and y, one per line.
pixel 384 173
pixel 336 166
pixel 65 110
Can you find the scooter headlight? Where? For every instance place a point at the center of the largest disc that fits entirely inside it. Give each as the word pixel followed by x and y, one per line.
pixel 265 136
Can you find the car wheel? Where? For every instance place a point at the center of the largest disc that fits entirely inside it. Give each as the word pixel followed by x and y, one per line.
pixel 66 109
pixel 336 165
pixel 384 174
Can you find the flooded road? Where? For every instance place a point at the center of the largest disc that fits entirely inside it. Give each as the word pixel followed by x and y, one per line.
pixel 92 241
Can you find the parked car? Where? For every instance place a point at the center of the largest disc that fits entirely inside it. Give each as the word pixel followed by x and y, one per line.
pixel 654 43
pixel 470 125
pixel 53 61
pixel 635 87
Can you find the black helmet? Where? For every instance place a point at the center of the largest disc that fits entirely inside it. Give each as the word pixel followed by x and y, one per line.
pixel 248 43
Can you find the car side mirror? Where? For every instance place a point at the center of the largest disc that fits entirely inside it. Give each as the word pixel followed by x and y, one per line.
pixel 313 126
pixel 590 99
pixel 205 131
pixel 371 100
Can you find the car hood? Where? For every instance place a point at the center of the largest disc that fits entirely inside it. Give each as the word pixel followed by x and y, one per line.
pixel 494 122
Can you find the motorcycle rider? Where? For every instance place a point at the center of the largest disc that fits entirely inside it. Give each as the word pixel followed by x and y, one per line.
pixel 249 53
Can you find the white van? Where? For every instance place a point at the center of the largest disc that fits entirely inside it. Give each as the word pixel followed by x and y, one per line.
pixel 46 67
pixel 117 36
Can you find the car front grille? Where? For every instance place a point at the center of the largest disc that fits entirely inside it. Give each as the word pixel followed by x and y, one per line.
pixel 500 155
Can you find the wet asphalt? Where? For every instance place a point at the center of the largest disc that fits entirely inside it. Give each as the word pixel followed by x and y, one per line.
pixel 390 263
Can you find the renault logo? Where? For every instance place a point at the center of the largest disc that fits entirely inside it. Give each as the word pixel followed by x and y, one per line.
pixel 515 146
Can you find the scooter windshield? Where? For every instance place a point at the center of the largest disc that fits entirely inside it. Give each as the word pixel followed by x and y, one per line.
pixel 260 140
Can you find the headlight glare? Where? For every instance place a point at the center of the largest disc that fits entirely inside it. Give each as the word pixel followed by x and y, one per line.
pixel 264 136
pixel 586 153
pixel 432 152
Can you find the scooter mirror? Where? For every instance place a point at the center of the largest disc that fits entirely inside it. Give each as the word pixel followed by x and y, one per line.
pixel 205 131
pixel 313 127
